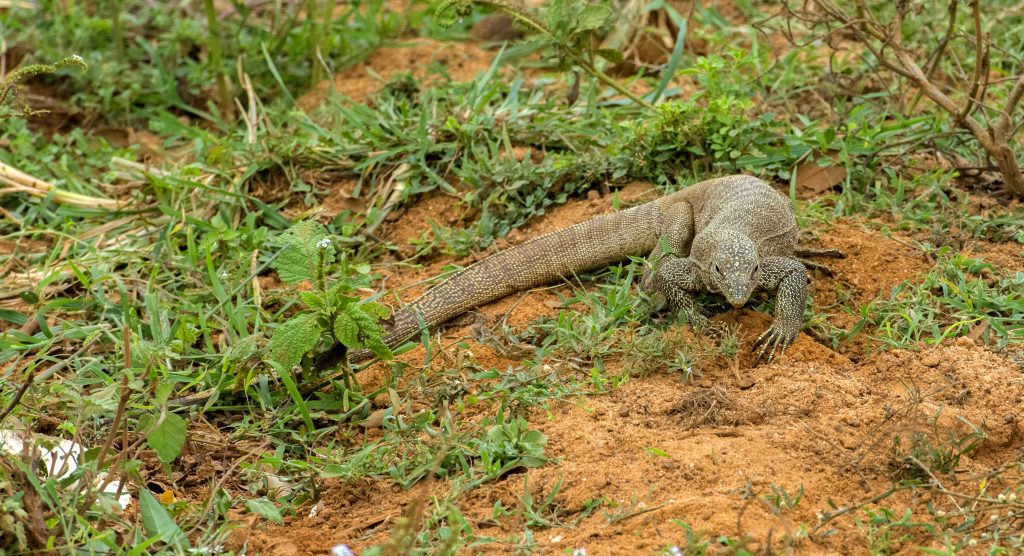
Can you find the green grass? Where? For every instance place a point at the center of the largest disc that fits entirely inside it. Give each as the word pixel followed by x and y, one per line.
pixel 114 312
pixel 958 296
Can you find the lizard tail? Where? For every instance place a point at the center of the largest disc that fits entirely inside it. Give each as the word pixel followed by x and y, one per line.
pixel 551 257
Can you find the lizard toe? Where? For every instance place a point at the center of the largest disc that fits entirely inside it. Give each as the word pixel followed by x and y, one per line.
pixel 772 342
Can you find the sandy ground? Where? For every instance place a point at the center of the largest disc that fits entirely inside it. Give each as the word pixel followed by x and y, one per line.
pixel 701 451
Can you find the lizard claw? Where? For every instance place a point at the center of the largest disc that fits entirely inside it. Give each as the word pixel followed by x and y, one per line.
pixel 774 338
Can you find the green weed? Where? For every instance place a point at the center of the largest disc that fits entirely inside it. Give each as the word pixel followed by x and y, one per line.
pixel 958 296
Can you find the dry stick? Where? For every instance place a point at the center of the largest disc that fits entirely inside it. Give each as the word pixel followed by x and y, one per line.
pixel 32 376
pixel 935 482
pixel 827 517
pixel 17 397
pixel 994 141
pixel 936 58
pixel 1004 123
pixel 978 59
pixel 90 498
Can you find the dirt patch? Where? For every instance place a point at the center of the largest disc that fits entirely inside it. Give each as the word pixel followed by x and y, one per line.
pixel 825 429
pixel 1008 256
pixel 660 451
pixel 874 264
pixel 427 60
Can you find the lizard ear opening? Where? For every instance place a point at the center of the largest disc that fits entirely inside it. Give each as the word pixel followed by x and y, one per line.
pixel 718 270
pixel 757 267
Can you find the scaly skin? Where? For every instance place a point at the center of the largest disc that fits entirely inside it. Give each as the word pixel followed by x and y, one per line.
pixel 730 235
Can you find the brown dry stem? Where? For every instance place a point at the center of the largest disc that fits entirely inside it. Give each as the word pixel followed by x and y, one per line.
pixel 826 19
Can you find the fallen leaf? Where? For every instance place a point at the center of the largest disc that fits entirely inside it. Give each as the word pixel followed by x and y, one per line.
pixel 814 179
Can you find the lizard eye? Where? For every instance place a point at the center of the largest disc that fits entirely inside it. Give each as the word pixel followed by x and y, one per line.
pixel 718 270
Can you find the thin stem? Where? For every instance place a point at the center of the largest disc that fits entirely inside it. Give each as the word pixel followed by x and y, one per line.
pixel 216 52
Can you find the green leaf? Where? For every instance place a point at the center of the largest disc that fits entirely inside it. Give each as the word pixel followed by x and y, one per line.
pixel 336 297
pixel 168 438
pixel 313 301
pixel 265 509
pixel 300 255
pixel 377 310
pixel 379 348
pixel 346 330
pixel 293 339
pixel 593 17
pixel 658 452
pixel 242 350
pixel 157 521
pixel 610 54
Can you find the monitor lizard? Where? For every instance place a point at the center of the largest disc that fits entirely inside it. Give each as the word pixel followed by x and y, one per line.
pixel 730 236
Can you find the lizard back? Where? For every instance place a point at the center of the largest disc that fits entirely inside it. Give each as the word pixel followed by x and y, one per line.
pixel 752 207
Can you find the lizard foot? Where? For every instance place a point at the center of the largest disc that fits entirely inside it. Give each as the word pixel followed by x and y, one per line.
pixel 822 268
pixel 776 339
pixel 806 252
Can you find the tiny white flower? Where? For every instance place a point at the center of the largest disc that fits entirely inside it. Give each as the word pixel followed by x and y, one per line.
pixel 579 552
pixel 675 550
pixel 324 244
pixel 342 550
pixel 224 275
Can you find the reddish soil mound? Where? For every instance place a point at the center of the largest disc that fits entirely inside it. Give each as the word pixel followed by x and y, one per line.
pixel 660 450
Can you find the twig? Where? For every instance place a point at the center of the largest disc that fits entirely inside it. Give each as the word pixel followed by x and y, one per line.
pixel 17 397
pixel 886 46
pixel 32 376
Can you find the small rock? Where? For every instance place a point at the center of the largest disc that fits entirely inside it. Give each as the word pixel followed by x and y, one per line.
pixel 964 341
pixel 931 360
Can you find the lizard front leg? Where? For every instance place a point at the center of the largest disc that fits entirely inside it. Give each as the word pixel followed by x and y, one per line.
pixel 788 278
pixel 676 278
pixel 674 239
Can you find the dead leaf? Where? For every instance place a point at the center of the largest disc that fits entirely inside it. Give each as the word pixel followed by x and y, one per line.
pixel 376 419
pixel 814 179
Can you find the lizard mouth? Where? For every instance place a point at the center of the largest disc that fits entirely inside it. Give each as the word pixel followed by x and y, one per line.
pixel 737 297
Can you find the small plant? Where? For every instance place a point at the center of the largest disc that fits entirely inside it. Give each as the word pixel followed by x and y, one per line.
pixel 11 102
pixel 330 315
pixel 628 510
pixel 783 500
pixel 924 458
pixel 886 531
pixel 544 513
pixel 986 108
pixel 509 444
pixel 958 295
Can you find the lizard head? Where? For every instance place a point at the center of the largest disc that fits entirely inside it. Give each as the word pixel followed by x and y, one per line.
pixel 733 267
